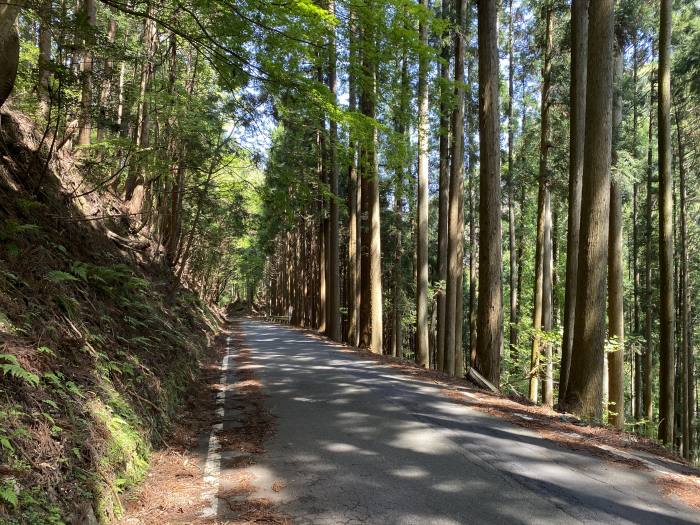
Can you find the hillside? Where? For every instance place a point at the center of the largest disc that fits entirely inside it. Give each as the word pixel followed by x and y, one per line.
pixel 99 341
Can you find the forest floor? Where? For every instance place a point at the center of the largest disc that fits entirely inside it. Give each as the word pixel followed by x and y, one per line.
pixel 309 431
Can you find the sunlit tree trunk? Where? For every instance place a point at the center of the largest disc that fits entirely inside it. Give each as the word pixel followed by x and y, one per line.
pixel 584 392
pixel 9 47
pixel 334 256
pixel 687 377
pixel 453 323
pixel 577 94
pixel 513 276
pixel 371 305
pixel 616 319
pixel 422 356
pixel 647 402
pixel 490 307
pixel 85 121
pixel 542 311
pixel 44 63
pixel 636 279
pixel 667 317
pixel 443 191
pixel 353 211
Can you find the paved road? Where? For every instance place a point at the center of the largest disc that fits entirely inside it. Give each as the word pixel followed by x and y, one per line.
pixel 359 443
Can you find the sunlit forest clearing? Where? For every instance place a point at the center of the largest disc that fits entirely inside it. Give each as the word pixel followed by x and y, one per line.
pixel 324 261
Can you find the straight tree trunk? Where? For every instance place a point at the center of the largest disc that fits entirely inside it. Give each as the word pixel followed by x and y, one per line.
pixel 353 211
pixel 636 279
pixel 511 192
pixel 334 255
pixel 371 323
pixel 547 302
pixel 542 308
pixel 490 307
pixel 106 88
pixel 648 408
pixel 85 121
pixel 44 63
pixel 577 95
pixel 453 321
pixel 584 391
pixel 422 355
pixel 444 193
pixel 687 372
pixel 667 317
pixel 616 319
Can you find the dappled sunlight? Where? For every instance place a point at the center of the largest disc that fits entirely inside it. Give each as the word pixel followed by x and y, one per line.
pixel 348 429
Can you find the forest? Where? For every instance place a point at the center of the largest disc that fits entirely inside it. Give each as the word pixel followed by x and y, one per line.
pixel 501 191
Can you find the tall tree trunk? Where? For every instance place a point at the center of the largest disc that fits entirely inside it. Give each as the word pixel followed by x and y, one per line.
pixel 444 193
pixel 511 192
pixel 577 95
pixel 616 319
pixel 106 87
pixel 9 47
pixel 371 323
pixel 490 307
pixel 636 279
pixel 134 189
pixel 422 355
pixel 687 372
pixel 453 322
pixel 400 128
pixel 667 317
pixel 85 121
pixel 584 391
pixel 334 255
pixel 648 408
pixel 353 210
pixel 547 302
pixel 542 308
pixel 44 63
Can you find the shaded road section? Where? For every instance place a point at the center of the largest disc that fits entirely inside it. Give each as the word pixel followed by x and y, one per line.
pixel 358 442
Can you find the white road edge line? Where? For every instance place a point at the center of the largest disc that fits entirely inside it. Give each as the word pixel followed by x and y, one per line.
pixel 212 466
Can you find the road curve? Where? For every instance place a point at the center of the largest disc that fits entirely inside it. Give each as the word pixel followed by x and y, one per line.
pixel 360 443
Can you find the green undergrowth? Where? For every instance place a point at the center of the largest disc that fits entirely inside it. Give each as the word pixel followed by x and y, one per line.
pixel 97 348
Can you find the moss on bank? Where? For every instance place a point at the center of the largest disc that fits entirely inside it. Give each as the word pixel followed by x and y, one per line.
pixel 97 347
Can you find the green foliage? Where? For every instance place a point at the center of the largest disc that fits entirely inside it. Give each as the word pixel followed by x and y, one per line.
pixel 58 277
pixel 13 368
pixel 8 492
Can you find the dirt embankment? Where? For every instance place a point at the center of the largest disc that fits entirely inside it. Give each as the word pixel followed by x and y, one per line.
pixel 97 340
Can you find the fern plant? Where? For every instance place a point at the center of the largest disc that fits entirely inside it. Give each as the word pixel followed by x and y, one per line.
pixel 12 368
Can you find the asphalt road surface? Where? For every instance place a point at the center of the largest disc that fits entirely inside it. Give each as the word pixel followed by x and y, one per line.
pixel 357 442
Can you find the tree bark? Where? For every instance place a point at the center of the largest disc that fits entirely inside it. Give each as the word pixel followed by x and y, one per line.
pixel 453 321
pixel 85 121
pixel 686 352
pixel 577 96
pixel 106 86
pixel 334 255
pixel 584 391
pixel 44 63
pixel 667 317
pixel 648 408
pixel 371 322
pixel 490 306
pixel 511 192
pixel 422 355
pixel 542 308
pixel 616 319
pixel 353 210
pixel 444 194
pixel 636 279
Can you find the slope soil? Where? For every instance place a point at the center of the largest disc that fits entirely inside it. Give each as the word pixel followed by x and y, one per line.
pixel 98 341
